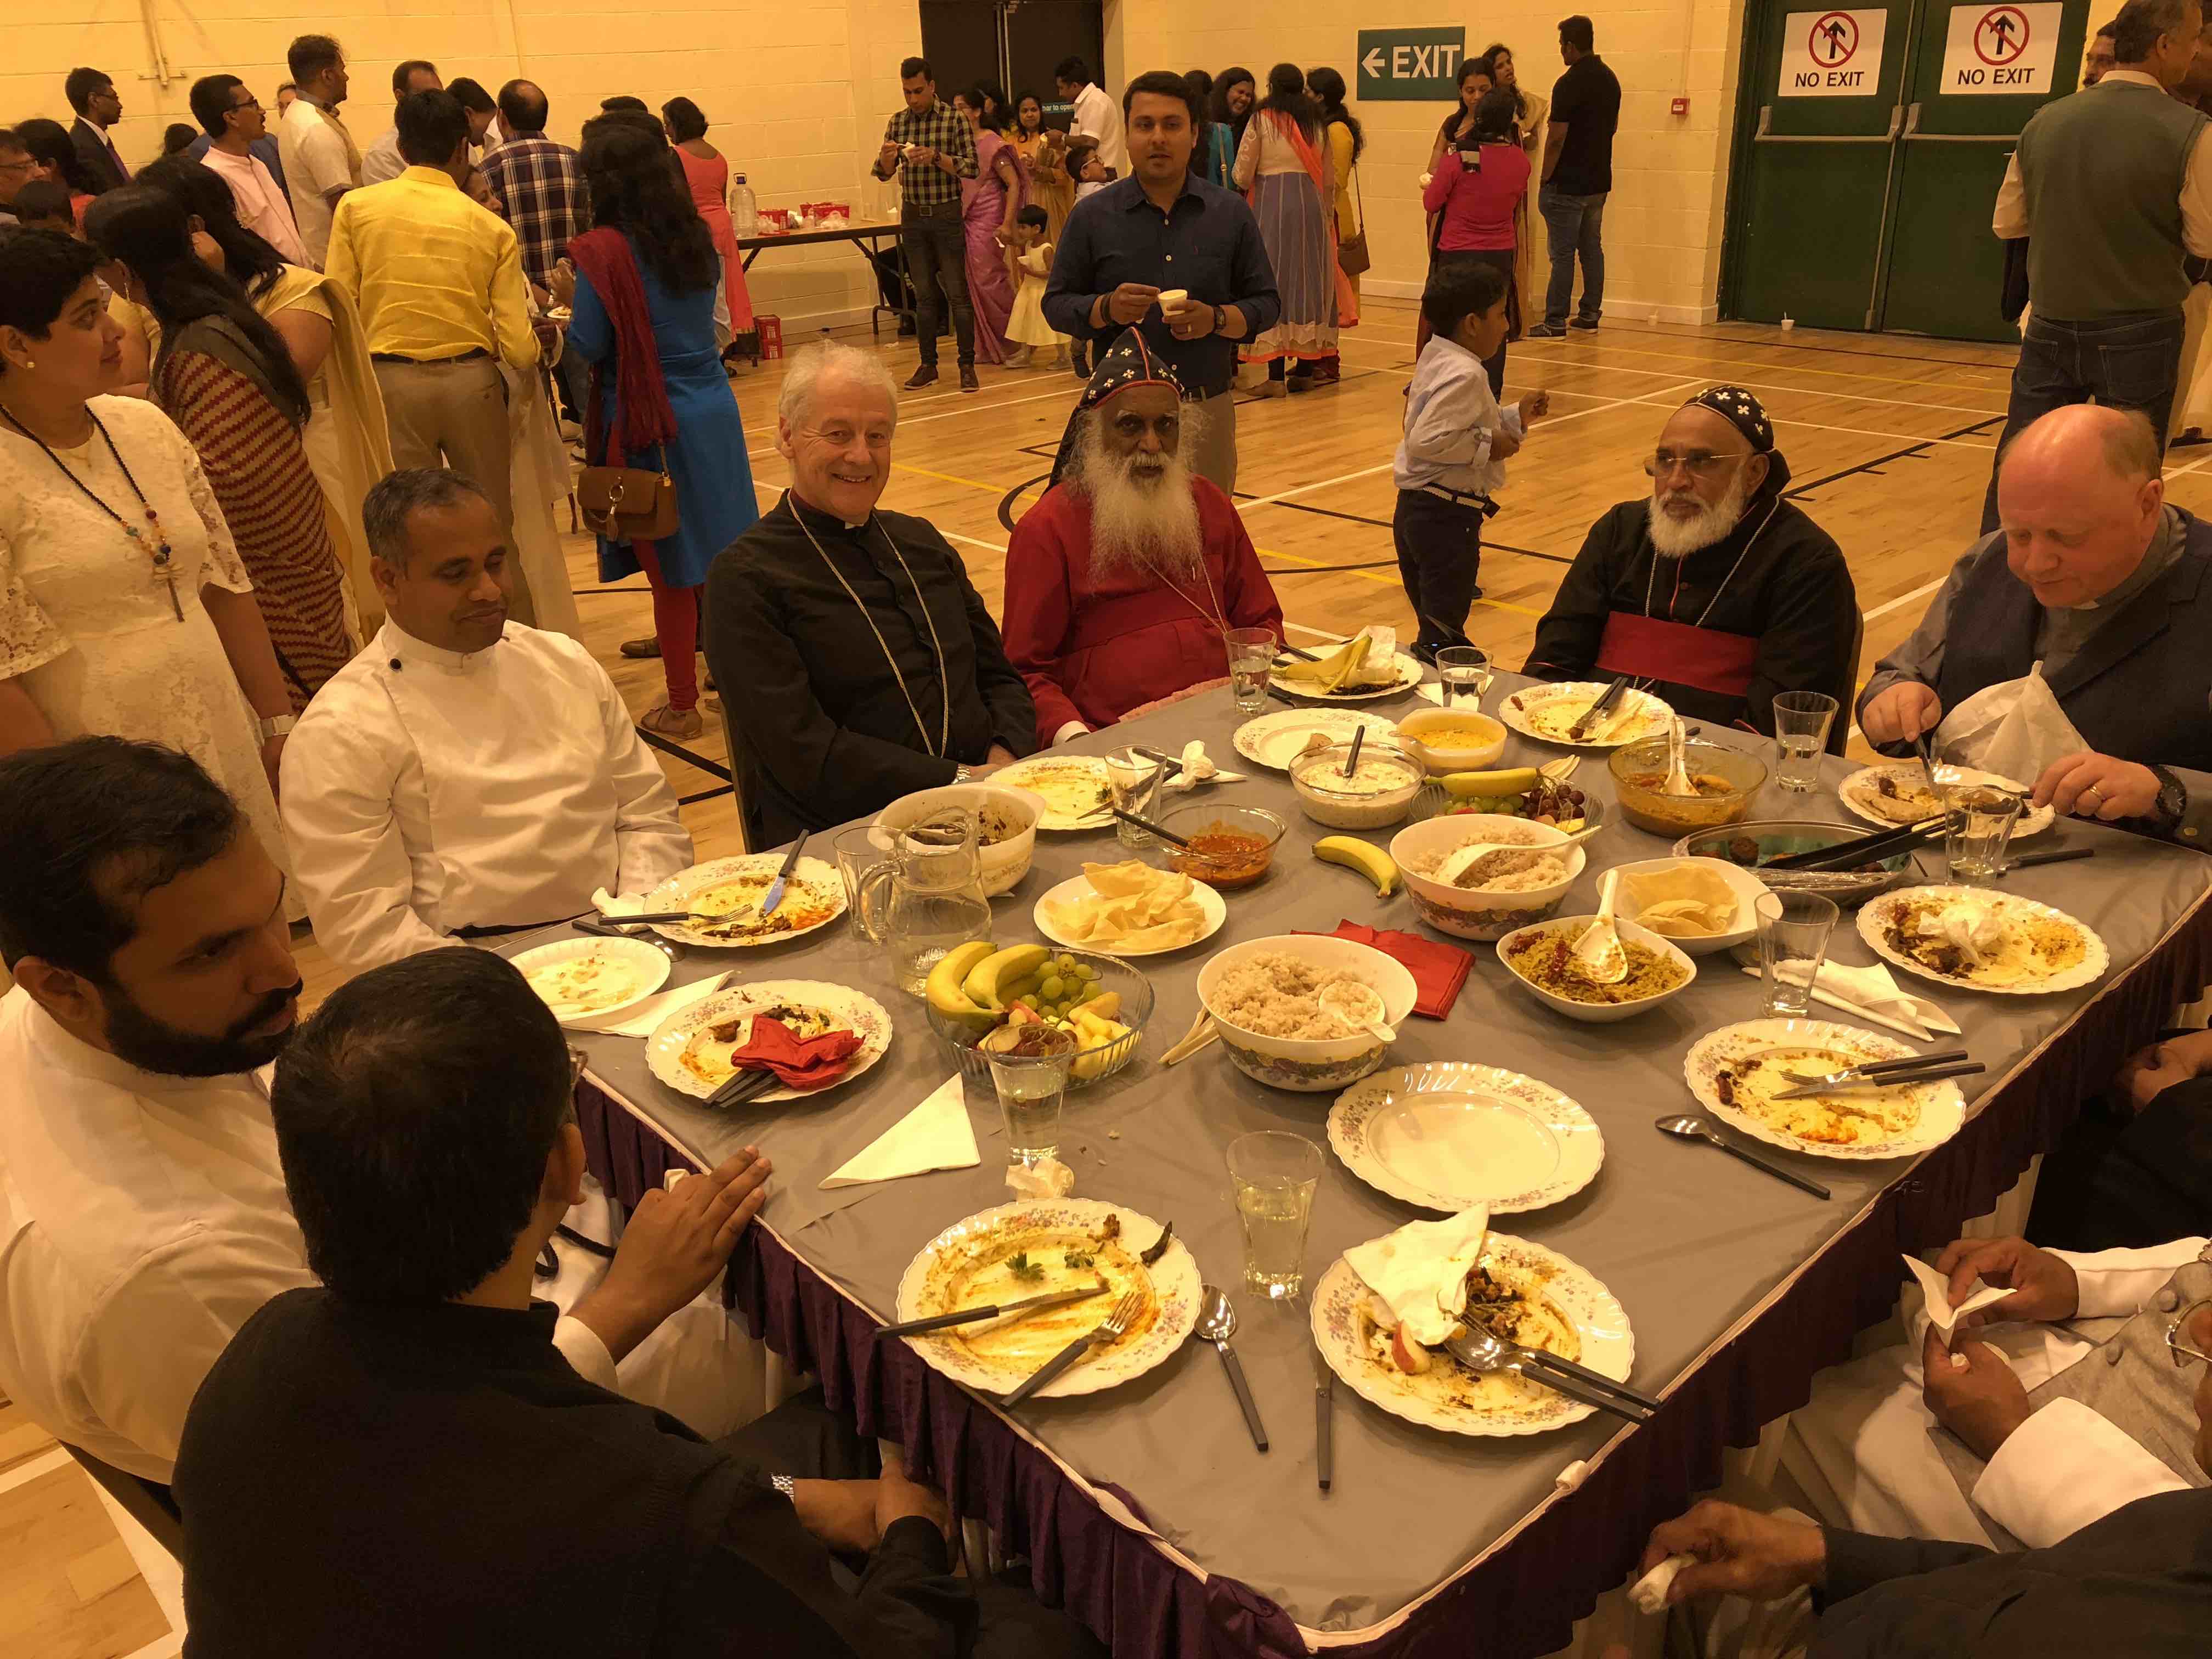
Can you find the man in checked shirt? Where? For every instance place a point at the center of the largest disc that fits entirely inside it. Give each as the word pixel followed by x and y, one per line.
pixel 927 146
pixel 539 186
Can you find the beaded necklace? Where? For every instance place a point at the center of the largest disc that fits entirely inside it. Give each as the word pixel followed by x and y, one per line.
pixel 152 540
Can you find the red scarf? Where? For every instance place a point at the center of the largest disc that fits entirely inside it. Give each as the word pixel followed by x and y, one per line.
pixel 645 420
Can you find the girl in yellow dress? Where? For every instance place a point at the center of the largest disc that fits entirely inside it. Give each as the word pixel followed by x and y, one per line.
pixel 1030 257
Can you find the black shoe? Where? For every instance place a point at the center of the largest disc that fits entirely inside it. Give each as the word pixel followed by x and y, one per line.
pixel 905 328
pixel 1588 324
pixel 1299 382
pixel 925 375
pixel 967 380
pixel 647 646
pixel 1544 331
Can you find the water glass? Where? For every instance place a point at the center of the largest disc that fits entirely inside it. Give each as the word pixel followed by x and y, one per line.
pixel 1251 662
pixel 1978 826
pixel 1802 719
pixel 1793 940
pixel 1133 782
pixel 857 852
pixel 1031 1089
pixel 1274 1176
pixel 1466 672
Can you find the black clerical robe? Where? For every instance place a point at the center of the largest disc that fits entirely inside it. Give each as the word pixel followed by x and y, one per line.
pixel 1768 608
pixel 825 726
pixel 438 1483
pixel 2138 1583
pixel 2121 1180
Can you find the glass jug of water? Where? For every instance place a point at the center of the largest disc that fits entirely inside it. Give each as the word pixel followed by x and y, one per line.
pixel 927 900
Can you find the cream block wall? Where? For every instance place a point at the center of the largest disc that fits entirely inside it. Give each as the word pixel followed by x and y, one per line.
pixel 797 89
pixel 1663 221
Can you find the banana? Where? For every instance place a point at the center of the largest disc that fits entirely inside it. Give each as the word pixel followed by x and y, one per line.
pixel 1515 780
pixel 991 980
pixel 1332 671
pixel 943 989
pixel 1353 853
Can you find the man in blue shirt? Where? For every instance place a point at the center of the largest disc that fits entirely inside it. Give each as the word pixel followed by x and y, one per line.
pixel 1175 255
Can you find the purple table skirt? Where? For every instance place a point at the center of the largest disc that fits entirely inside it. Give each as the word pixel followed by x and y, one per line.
pixel 1526 1590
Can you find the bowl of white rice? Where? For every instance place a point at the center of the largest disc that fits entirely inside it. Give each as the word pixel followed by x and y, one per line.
pixel 1503 890
pixel 1265 996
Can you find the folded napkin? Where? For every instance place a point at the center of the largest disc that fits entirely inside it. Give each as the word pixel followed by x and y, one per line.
pixel 1871 994
pixel 798 1063
pixel 643 1019
pixel 1937 1289
pixel 608 905
pixel 1438 970
pixel 1197 769
pixel 934 1135
pixel 1430 692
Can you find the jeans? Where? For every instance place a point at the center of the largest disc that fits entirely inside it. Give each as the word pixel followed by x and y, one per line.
pixel 935 243
pixel 1439 556
pixel 2127 362
pixel 1573 225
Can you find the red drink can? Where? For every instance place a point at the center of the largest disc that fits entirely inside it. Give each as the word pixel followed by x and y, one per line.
pixel 771 336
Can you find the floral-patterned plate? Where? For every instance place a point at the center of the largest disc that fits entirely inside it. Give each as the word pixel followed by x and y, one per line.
pixel 1446 1136
pixel 1034 1248
pixel 1447 1396
pixel 1895 1122
pixel 1275 740
pixel 684 1052
pixel 1547 712
pixel 733 888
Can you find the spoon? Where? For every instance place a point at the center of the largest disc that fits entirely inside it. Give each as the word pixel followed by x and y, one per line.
pixel 1678 775
pixel 1690 1127
pixel 1361 1005
pixel 1598 951
pixel 1483 1351
pixel 1352 760
pixel 1217 1323
pixel 1457 860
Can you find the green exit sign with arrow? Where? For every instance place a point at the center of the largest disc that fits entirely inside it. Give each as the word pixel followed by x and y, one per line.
pixel 1410 64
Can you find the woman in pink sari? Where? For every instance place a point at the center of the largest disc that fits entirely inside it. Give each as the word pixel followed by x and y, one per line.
pixel 707 175
pixel 998 191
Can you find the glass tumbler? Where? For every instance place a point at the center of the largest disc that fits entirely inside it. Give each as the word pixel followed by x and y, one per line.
pixel 1466 672
pixel 1802 719
pixel 1251 663
pixel 1978 826
pixel 1793 941
pixel 1274 1176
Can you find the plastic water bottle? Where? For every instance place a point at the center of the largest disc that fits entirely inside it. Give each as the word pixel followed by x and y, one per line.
pixel 744 208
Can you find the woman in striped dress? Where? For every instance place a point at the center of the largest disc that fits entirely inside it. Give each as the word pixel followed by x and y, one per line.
pixel 222 374
pixel 1283 169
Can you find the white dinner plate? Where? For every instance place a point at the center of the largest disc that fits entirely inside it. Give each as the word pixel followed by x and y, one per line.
pixel 1942 1107
pixel 1446 1134
pixel 1214 909
pixel 1506 1405
pixel 1638 714
pixel 1859 789
pixel 627 970
pixel 1274 740
pixel 814 897
pixel 670 1040
pixel 1408 670
pixel 924 1287
pixel 2012 909
pixel 1057 779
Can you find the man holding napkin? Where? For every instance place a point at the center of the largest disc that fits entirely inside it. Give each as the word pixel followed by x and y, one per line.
pixel 1121 582
pixel 2071 641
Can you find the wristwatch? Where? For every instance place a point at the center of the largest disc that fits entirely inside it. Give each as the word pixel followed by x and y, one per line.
pixel 963 775
pixel 2172 803
pixel 1221 319
pixel 276 725
pixel 782 1483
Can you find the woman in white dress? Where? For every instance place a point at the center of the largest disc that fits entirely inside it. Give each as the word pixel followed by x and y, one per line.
pixel 123 608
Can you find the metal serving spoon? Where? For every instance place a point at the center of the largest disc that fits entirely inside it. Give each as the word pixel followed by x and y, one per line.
pixel 1217 1323
pixel 1692 1127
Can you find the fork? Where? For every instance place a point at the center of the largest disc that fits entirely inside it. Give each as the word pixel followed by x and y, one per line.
pixel 1112 1328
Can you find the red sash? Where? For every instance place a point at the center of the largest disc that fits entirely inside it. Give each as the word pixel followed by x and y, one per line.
pixel 1678 652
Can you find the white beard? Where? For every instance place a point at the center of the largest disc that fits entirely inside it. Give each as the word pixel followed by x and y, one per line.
pixel 1140 520
pixel 1677 538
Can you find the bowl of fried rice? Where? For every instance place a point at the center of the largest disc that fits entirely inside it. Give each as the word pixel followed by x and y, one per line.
pixel 1502 891
pixel 1265 996
pixel 1541 957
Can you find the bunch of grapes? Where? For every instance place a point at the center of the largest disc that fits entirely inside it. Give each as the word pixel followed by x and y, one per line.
pixel 1058 987
pixel 1549 802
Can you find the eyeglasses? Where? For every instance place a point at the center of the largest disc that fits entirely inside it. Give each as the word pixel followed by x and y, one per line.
pixel 26 165
pixel 2182 1352
pixel 1698 463
pixel 252 102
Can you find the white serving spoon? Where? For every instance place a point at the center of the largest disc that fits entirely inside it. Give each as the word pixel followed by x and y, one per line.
pixel 1361 1005
pixel 1598 951
pixel 1460 859
pixel 1677 775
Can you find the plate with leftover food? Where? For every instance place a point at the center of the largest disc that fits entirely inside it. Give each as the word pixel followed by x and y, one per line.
pixel 690 1050
pixel 1036 1249
pixel 1736 1072
pixel 1275 740
pixel 1448 1135
pixel 585 978
pixel 1368 665
pixel 1548 712
pixel 1073 788
pixel 730 890
pixel 1983 940
pixel 1899 795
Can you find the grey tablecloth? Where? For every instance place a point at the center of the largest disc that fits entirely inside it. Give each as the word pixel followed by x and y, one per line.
pixel 1690 1241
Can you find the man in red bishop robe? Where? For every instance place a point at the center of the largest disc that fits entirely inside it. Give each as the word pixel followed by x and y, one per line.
pixel 1122 579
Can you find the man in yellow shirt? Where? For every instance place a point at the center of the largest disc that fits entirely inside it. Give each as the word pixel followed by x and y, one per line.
pixel 443 303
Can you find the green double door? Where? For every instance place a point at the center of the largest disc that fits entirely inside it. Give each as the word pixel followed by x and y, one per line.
pixel 1871 142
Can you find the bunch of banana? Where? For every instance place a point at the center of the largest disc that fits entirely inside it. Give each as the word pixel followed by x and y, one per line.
pixel 1353 853
pixel 1331 672
pixel 984 987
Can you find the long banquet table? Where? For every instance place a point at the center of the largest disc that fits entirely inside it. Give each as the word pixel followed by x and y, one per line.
pixel 1145 1508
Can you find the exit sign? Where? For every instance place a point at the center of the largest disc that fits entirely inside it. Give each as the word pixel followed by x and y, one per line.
pixel 1410 64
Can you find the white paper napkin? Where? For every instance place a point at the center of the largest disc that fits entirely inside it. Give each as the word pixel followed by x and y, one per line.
pixel 1941 1314
pixel 1648 1592
pixel 934 1135
pixel 608 905
pixel 1430 692
pixel 643 1019
pixel 1197 769
pixel 1872 994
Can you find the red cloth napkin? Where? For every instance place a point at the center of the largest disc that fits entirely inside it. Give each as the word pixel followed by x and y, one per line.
pixel 1438 970
pixel 808 1064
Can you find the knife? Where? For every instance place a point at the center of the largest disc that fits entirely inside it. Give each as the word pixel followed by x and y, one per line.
pixel 1885 1079
pixel 968 1315
pixel 1597 711
pixel 1876 1067
pixel 1324 1424
pixel 775 895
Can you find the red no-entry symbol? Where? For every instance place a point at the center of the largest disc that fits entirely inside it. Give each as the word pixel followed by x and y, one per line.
pixel 1834 38
pixel 2002 35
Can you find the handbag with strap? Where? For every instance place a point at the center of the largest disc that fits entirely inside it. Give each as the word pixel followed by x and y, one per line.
pixel 629 504
pixel 1352 257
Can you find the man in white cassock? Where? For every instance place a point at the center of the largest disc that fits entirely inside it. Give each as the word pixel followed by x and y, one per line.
pixel 465 775
pixel 143 1215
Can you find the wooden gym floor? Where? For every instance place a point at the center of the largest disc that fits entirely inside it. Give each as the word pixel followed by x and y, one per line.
pixel 1889 440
